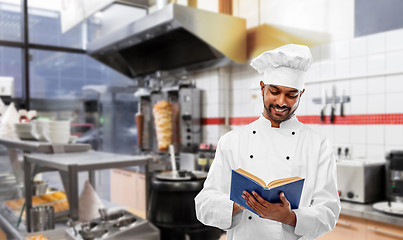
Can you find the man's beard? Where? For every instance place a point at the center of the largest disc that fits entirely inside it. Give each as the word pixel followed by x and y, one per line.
pixel 276 118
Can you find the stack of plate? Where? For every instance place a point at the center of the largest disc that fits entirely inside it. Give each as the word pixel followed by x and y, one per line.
pixel 24 131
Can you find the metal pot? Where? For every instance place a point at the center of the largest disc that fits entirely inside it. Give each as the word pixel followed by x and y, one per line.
pixel 172 207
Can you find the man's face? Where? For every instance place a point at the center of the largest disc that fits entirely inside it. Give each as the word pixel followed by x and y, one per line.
pixel 279 102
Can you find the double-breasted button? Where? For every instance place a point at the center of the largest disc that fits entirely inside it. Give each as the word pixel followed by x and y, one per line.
pixel 250 217
pixel 288 158
pixel 293 133
pixel 254 132
pixel 251 156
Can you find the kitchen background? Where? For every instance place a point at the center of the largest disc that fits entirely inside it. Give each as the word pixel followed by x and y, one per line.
pixel 357 49
pixel 367 68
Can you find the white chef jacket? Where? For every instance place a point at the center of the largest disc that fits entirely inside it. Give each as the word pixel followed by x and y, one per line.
pixel 272 153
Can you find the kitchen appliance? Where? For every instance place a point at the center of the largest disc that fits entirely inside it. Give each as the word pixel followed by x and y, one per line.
pixel 172 207
pixel 361 181
pixel 185 101
pixel 394 176
pixel 190 118
pixel 175 38
pixel 143 119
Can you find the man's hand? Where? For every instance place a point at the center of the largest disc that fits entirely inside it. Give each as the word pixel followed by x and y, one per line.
pixel 280 212
pixel 236 208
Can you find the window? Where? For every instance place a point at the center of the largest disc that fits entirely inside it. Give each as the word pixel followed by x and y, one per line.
pixel 10 20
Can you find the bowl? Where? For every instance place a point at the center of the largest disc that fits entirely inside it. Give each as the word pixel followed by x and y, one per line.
pixel 59 124
pixel 57 138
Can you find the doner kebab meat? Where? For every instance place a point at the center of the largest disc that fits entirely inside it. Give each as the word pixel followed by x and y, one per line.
pixel 162 111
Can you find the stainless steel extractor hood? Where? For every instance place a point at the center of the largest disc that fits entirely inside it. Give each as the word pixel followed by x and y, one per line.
pixel 175 38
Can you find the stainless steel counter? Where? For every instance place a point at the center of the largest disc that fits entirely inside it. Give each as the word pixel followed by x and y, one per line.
pixel 68 165
pixel 366 211
pixel 43 147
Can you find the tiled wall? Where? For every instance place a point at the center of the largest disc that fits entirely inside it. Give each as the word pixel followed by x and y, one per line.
pixel 368 69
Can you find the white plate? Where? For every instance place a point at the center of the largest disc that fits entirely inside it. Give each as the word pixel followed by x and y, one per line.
pixel 395 207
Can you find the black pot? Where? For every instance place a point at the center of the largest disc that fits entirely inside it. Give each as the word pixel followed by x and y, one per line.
pixel 172 207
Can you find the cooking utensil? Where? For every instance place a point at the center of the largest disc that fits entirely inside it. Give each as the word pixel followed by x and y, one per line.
pixel 39 188
pixel 323 101
pixel 172 153
pixel 125 221
pixel 139 125
pixel 42 218
pixel 342 103
pixel 333 109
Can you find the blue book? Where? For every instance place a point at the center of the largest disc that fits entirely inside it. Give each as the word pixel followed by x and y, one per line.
pixel 242 180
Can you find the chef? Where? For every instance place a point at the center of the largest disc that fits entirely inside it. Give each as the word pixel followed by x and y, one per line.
pixel 274 146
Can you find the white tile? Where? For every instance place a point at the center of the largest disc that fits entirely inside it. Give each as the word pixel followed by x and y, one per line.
pixel 212 133
pixel 326 52
pixel 394 135
pixel 358 66
pixel 359 151
pixel 394 40
pixel 376 103
pixel 359 47
pixel 359 87
pixel 375 134
pixel 315 51
pixel 376 64
pixel 313 73
pixel 254 107
pixel 342 49
pixel 376 151
pixel 302 108
pixel 359 104
pixel 210 111
pixel 342 68
pixel 389 148
pixel 394 62
pixel 376 85
pixel 236 96
pixel 358 134
pixel 342 134
pixel 394 103
pixel 376 43
pixel 394 83
pixel 211 96
pixel 222 110
pixel 312 108
pixel 326 70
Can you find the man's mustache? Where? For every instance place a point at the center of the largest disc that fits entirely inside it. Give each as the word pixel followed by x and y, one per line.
pixel 278 106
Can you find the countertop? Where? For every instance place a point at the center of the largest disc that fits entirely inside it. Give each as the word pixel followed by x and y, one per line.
pixel 366 211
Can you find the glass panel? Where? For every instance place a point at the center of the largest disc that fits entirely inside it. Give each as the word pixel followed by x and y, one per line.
pixel 10 20
pixel 45 23
pixel 10 67
pixel 10 84
pixel 45 26
pixel 98 100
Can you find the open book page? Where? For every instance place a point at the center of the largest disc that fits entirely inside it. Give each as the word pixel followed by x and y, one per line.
pixel 282 181
pixel 272 184
pixel 251 176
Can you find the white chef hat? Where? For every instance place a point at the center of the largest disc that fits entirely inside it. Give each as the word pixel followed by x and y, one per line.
pixel 285 66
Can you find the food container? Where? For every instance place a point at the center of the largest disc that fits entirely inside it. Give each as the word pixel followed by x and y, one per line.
pixel 42 218
pixel 39 188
